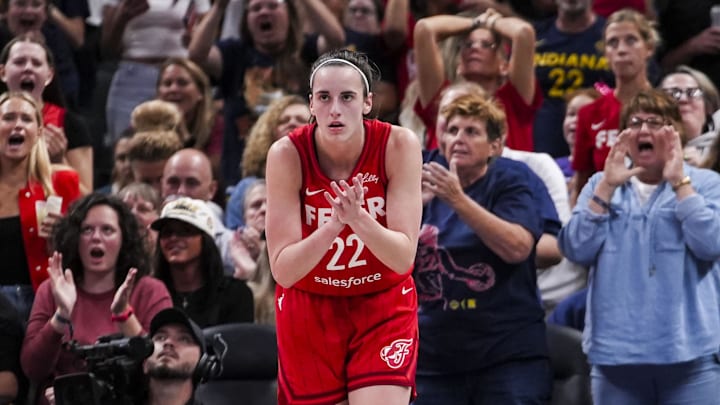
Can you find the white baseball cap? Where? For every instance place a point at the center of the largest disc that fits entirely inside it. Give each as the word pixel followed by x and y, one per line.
pixel 189 210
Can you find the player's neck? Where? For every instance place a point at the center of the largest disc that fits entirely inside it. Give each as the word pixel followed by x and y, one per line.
pixel 338 159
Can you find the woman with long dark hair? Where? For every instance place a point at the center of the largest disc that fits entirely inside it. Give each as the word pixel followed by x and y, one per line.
pixel 188 261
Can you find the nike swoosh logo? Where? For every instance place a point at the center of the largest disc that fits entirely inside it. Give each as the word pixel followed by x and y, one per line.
pixel 597 125
pixel 404 290
pixel 310 193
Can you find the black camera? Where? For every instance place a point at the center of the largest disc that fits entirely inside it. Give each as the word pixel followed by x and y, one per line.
pixel 114 374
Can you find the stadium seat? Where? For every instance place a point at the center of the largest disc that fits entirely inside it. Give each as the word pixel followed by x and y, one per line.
pixel 249 374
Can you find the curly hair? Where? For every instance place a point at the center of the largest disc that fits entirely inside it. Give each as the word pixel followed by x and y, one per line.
pixel 66 238
pixel 262 135
pixel 202 117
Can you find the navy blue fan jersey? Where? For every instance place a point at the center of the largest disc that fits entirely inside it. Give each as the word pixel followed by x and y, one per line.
pixel 564 62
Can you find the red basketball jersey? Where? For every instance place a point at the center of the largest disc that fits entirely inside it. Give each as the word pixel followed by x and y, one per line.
pixel 348 267
pixel 597 130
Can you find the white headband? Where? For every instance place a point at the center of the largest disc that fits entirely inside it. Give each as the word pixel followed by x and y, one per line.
pixel 336 60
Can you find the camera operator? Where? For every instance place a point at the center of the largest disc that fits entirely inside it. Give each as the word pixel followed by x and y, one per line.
pixel 171 369
pixel 179 345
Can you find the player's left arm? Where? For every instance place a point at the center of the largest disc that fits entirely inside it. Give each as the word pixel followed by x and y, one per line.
pixel 395 245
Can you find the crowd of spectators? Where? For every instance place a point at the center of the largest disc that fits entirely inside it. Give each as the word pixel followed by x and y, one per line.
pixel 134 137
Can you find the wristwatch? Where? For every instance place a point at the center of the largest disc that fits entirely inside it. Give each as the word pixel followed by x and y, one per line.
pixel 685 181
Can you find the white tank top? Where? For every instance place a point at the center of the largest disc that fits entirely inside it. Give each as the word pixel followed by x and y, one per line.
pixel 158 32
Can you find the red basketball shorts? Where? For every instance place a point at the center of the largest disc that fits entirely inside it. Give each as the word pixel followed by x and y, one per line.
pixel 329 346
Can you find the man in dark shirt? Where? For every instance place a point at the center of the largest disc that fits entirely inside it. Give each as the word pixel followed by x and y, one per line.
pixel 174 368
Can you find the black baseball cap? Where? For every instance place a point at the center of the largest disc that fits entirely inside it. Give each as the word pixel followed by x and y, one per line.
pixel 175 316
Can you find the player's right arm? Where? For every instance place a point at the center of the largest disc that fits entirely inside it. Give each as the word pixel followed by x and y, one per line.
pixel 291 256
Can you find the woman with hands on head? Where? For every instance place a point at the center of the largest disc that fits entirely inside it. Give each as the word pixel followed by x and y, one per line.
pixel 647 228
pixel 477 53
pixel 27 179
pixel 97 287
pixel 482 332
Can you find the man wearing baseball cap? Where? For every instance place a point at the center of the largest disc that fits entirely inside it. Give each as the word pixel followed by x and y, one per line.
pixel 179 345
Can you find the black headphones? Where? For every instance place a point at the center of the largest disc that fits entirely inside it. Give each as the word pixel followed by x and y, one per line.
pixel 210 364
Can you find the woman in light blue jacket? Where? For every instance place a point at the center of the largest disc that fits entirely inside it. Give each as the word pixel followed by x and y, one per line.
pixel 649 229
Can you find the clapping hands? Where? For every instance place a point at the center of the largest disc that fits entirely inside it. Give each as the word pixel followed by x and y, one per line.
pixel 62 284
pixel 348 201
pixel 437 181
pixel 122 295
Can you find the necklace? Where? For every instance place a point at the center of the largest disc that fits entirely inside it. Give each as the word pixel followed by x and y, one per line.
pixel 184 299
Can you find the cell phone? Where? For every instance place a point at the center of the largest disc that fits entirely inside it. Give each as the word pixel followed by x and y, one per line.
pixel 715 16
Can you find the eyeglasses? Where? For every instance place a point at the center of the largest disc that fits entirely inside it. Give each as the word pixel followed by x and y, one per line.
pixel 363 11
pixel 484 44
pixel 653 123
pixel 690 92
pixel 270 5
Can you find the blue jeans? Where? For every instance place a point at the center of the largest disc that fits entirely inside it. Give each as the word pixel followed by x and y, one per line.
pixel 133 83
pixel 22 297
pixel 694 382
pixel 526 382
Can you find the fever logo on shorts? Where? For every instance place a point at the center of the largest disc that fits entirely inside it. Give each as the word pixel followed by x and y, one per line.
pixel 395 353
